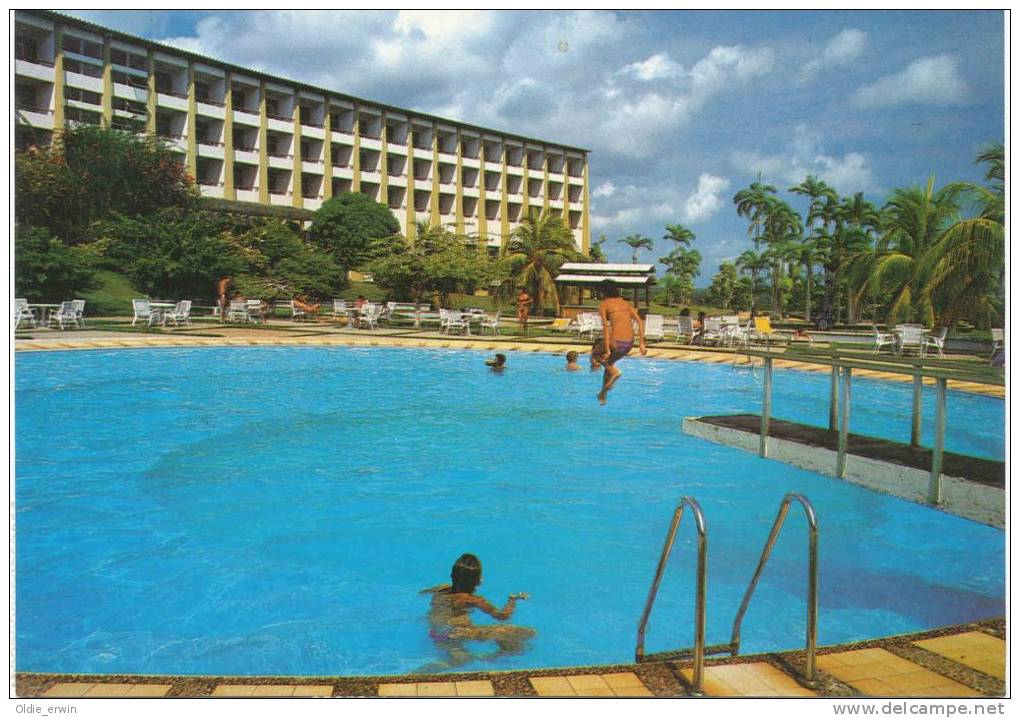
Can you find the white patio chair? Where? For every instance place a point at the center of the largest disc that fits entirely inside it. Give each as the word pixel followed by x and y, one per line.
pixel 369 315
pixel 936 341
pixel 386 311
pixel 143 310
pixel 339 308
pixel 455 320
pixel 180 314
pixel 444 316
pixel 79 312
pixel 64 316
pixel 998 345
pixel 489 321
pixel 910 337
pixel 24 314
pixel 255 314
pixel 684 328
pixel 289 306
pixel 654 326
pixel 883 339
pixel 238 311
pixel 712 331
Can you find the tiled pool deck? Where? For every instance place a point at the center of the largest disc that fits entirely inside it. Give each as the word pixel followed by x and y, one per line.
pixel 961 661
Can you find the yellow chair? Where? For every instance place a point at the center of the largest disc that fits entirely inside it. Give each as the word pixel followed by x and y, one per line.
pixel 763 329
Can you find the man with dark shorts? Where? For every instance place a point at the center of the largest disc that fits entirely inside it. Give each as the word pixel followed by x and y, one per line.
pixel 618 318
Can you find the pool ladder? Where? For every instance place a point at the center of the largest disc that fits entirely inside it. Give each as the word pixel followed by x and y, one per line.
pixel 809 677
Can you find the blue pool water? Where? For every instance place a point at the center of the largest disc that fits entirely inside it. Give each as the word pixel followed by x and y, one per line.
pixel 277 510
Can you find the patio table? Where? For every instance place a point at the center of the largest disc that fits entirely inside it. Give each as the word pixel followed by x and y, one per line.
pixel 43 310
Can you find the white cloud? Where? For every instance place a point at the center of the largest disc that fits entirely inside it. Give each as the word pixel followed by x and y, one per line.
pixel 839 51
pixel 806 156
pixel 606 189
pixel 929 81
pixel 656 67
pixel 636 116
pixel 705 200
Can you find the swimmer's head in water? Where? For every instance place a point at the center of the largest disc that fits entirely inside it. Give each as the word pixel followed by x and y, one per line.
pixel 466 573
pixel 500 360
pixel 571 356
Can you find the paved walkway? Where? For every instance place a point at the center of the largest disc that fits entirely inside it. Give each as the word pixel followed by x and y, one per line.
pixel 968 661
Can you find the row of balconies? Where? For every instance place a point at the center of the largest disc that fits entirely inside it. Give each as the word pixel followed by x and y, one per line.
pixel 130 68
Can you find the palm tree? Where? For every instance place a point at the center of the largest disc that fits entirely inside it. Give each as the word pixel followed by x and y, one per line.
pixel 916 220
pixel 670 285
pixel 533 254
pixel 751 203
pixel 636 242
pixel 813 249
pixel 685 265
pixel 595 253
pixel 818 192
pixel 679 234
pixel 967 265
pixel 752 262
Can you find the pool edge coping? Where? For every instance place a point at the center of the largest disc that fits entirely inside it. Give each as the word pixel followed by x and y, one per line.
pixel 787 661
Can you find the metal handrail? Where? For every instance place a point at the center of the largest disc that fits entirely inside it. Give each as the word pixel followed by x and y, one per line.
pixel 699 607
pixel 810 677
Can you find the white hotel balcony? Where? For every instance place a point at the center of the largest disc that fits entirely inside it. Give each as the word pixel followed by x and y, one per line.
pixel 38 69
pixel 35 116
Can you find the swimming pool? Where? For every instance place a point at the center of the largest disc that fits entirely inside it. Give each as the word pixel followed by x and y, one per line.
pixel 277 510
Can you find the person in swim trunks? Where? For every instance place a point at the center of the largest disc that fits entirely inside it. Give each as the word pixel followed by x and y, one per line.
pixel 450 625
pixel 618 319
pixel 523 310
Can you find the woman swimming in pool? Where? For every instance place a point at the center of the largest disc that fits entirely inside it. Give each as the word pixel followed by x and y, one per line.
pixel 450 624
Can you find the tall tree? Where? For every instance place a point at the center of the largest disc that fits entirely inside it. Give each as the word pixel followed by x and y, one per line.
pixel 967 265
pixel 348 224
pixel 915 220
pixel 751 204
pixel 753 263
pixel 679 234
pixel 532 255
pixel 636 242
pixel 685 265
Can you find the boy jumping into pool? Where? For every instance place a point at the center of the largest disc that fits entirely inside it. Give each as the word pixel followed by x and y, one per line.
pixel 450 625
pixel 618 318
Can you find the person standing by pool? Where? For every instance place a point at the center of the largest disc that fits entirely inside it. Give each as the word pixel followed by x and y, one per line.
pixel 221 292
pixel 523 310
pixel 618 318
pixel 450 624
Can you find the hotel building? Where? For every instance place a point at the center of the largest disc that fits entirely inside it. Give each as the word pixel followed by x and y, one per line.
pixel 249 137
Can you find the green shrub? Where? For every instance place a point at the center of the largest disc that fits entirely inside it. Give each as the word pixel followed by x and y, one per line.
pixel 45 270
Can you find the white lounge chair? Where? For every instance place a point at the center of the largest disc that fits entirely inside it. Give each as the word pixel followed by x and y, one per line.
pixel 144 310
pixel 936 341
pixel 883 339
pixel 24 314
pixel 588 323
pixel 684 328
pixel 64 316
pixel 180 314
pixel 654 326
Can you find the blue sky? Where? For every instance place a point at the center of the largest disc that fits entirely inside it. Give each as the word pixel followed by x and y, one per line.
pixel 681 109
